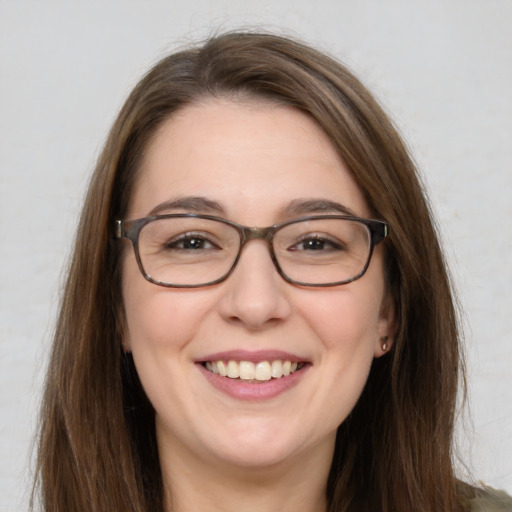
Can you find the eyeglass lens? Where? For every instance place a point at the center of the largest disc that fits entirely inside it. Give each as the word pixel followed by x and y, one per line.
pixel 189 251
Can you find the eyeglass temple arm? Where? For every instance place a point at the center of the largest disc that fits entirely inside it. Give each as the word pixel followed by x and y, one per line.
pixel 379 230
pixel 125 229
pixel 118 230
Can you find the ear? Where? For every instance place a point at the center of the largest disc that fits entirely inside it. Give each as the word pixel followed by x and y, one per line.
pixel 386 326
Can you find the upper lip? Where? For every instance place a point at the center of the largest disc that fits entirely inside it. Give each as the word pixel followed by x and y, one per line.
pixel 254 356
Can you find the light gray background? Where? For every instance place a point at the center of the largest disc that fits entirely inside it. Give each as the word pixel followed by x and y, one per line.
pixel 442 67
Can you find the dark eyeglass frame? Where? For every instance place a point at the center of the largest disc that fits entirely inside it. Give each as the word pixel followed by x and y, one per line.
pixel 131 229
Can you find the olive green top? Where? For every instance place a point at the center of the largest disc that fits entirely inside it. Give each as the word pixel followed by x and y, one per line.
pixel 491 500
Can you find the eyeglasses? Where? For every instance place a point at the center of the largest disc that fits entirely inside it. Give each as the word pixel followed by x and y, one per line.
pixel 191 250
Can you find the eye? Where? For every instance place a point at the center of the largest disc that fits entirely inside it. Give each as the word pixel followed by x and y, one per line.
pixel 314 244
pixel 190 241
pixel 322 243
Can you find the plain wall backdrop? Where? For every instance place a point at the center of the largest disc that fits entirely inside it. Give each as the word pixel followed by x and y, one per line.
pixel 443 68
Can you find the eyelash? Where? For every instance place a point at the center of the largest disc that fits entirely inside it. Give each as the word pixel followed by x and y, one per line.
pixel 336 245
pixel 187 237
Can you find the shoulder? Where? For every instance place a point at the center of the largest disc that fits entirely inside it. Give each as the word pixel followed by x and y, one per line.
pixel 487 499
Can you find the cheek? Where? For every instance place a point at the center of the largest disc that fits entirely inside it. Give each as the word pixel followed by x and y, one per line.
pixel 160 319
pixel 347 325
pixel 344 319
pixel 160 324
pixel 157 318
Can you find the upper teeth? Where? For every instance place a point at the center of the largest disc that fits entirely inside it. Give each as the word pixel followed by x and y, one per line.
pixel 247 370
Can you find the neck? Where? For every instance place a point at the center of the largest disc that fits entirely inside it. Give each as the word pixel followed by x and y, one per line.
pixel 297 484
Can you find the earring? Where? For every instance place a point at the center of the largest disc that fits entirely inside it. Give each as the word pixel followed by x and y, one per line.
pixel 384 340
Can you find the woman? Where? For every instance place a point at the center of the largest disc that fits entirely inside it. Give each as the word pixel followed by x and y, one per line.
pixel 257 314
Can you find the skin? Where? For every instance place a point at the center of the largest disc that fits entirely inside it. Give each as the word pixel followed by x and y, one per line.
pixel 218 452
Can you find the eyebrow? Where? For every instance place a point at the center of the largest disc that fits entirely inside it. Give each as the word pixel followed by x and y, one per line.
pixel 308 206
pixel 297 207
pixel 190 203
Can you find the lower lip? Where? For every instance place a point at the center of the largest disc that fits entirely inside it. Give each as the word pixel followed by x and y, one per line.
pixel 253 391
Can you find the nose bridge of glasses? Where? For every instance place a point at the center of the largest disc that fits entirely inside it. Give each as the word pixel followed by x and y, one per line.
pixel 257 234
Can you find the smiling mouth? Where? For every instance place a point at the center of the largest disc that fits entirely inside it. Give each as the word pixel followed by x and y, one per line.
pixel 262 371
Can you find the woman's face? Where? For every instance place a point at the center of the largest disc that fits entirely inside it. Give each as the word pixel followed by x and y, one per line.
pixel 250 163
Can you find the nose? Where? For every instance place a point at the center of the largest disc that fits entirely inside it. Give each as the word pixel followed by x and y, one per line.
pixel 255 295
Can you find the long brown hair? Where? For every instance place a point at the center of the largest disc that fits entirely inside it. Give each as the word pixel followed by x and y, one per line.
pixel 97 448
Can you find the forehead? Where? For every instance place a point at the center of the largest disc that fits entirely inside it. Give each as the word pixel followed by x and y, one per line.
pixel 250 157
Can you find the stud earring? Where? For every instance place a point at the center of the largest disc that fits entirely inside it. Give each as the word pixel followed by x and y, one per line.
pixel 384 340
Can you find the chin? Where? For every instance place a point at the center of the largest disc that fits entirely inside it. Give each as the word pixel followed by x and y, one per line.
pixel 259 445
pixel 250 457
